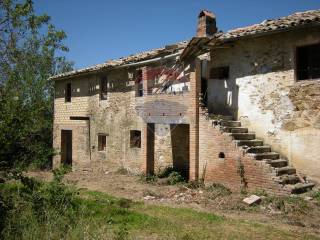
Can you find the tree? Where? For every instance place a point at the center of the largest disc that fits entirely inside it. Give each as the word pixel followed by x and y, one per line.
pixel 28 57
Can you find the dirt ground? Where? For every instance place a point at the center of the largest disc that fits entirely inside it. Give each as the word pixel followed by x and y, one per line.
pixel 298 214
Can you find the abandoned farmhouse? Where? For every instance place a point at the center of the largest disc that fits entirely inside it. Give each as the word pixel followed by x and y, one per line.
pixel 241 108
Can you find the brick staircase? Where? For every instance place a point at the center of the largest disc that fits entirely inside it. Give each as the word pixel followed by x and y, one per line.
pixel 282 173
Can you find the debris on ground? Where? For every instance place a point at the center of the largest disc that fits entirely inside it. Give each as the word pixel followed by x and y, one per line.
pixel 149 197
pixel 253 199
pixel 308 198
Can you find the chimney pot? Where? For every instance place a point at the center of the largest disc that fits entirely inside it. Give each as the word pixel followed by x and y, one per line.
pixel 206 24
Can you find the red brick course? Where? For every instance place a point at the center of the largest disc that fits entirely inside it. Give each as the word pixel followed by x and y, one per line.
pixel 258 175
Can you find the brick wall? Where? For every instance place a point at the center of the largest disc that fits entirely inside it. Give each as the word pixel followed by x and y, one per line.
pixel 258 175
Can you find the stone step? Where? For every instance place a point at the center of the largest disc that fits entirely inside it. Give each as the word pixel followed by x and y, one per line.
pixel 259 149
pixel 220 117
pixel 278 163
pixel 230 123
pixel 288 179
pixel 285 170
pixel 302 188
pixel 249 143
pixel 266 155
pixel 234 129
pixel 243 136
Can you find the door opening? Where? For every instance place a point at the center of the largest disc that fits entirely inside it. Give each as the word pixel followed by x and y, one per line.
pixel 66 147
pixel 180 148
pixel 150 148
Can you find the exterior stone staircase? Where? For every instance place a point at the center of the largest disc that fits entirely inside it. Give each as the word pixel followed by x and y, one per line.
pixel 242 138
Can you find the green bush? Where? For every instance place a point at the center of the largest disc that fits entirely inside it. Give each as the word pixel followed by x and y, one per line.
pixel 174 178
pixel 124 203
pixel 316 195
pixel 165 172
pixel 30 208
pixel 148 178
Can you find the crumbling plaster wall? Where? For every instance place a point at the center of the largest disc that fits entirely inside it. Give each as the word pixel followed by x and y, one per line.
pixel 283 112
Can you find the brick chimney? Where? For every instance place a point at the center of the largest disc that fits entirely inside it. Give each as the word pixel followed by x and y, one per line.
pixel 206 24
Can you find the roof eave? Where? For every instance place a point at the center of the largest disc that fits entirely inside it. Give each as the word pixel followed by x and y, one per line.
pixel 191 50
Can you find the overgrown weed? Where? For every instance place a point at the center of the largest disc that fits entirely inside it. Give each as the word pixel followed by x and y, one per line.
pixel 215 190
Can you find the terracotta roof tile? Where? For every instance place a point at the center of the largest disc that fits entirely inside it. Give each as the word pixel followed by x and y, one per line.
pixel 142 56
pixel 199 45
pixel 294 20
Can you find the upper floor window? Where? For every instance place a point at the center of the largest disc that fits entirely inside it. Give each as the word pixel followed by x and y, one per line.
pixel 67 93
pixel 103 88
pixel 139 84
pixel 308 62
pixel 219 73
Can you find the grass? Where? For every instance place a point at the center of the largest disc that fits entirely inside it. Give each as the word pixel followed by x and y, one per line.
pixel 96 215
pixel 316 196
pixel 143 221
pixel 288 205
pixel 123 171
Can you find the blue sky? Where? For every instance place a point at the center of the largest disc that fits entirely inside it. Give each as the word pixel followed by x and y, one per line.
pixel 99 30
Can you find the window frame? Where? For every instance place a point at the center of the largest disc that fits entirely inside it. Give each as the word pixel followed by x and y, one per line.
pixel 220 71
pixel 139 84
pixel 296 61
pixel 135 143
pixel 68 92
pixel 103 88
pixel 102 136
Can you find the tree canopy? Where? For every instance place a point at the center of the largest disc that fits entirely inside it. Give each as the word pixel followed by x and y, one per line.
pixel 29 47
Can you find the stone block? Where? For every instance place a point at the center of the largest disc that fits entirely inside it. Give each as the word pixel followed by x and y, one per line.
pixel 253 199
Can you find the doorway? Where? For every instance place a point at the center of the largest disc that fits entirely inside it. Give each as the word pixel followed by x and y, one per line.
pixel 150 148
pixel 180 148
pixel 66 147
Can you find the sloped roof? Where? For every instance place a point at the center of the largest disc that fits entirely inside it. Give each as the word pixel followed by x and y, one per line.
pixel 293 20
pixel 138 57
pixel 198 45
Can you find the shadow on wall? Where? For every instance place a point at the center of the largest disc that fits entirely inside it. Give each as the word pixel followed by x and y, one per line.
pixel 223 97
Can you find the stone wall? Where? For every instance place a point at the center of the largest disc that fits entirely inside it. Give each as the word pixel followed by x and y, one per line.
pixel 268 99
pixel 115 117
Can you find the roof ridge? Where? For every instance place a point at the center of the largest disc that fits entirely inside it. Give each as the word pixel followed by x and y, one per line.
pixel 280 18
pixel 141 56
